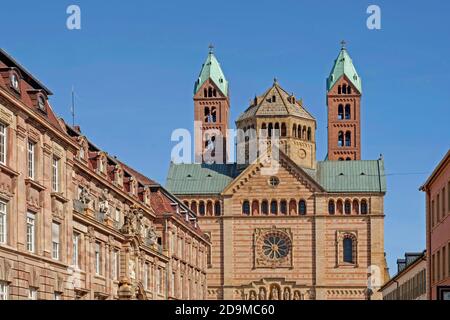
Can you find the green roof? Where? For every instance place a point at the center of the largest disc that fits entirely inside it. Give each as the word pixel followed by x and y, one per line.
pixel 200 178
pixel 211 70
pixel 343 65
pixel 333 176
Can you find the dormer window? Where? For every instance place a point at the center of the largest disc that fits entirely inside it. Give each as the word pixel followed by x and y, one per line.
pixel 14 81
pixel 41 103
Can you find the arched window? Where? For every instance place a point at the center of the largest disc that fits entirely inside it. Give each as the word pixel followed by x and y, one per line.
pixel 347 207
pixel 255 207
pixel 273 207
pixel 217 209
pixel 274 99
pixel 364 209
pixel 265 207
pixel 213 114
pixel 348 159
pixel 344 89
pixel 348 113
pixel 309 133
pixel 292 207
pixel 294 131
pixel 246 208
pixel 283 207
pixel 186 203
pixel 207 115
pixel 209 208
pixel 339 207
pixel 210 92
pixel 302 207
pixel 348 139
pixel 331 207
pixel 201 208
pixel 194 206
pixel 214 93
pixel 277 128
pixel 340 139
pixel 339 89
pixel 283 130
pixel 205 93
pixel 340 112
pixel 270 129
pixel 347 245
pixel 341 159
pixel 355 206
pixel 349 90
pixel 304 133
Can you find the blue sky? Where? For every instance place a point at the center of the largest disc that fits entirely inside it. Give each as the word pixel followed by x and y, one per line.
pixel 134 63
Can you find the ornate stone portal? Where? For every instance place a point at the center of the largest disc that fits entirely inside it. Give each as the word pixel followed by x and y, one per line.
pixel 275 289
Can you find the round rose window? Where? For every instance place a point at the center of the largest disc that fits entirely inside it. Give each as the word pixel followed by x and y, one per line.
pixel 275 246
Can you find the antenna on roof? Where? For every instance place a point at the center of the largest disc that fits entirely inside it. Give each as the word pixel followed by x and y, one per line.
pixel 72 107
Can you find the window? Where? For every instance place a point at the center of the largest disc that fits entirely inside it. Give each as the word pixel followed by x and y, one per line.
pixel 41 103
pixel 31 160
pixel 14 81
pixel 57 296
pixel 75 249
pixel 302 207
pixel 217 208
pixel 364 207
pixel 159 281
pixel 145 276
pixel 264 207
pixel 347 112
pixel 115 264
pixel 82 152
pixel 246 208
pixel 274 181
pixel 201 208
pixel 340 112
pixel 347 207
pixel 3 223
pixel 348 250
pixel 3 290
pixel 283 207
pixel 340 139
pixel 273 207
pixel 117 215
pixel 3 143
pixel 331 207
pixel 348 139
pixel 55 240
pixel 97 260
pixel 308 137
pixel 32 294
pixel 31 231
pixel 55 174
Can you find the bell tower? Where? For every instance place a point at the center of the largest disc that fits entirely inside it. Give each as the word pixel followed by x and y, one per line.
pixel 211 111
pixel 344 92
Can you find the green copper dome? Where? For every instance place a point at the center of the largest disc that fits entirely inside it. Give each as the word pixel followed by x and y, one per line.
pixel 343 65
pixel 211 70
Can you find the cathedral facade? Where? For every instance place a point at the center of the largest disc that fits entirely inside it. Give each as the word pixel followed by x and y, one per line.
pixel 285 227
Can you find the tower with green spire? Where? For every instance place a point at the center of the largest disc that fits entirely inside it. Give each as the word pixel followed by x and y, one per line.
pixel 344 90
pixel 211 111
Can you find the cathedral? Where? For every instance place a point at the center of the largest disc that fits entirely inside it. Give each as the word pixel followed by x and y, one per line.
pixel 284 225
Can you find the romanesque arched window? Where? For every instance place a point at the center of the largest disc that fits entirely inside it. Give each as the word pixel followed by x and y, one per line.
pixel 294 131
pixel 340 139
pixel 205 93
pixel 255 207
pixel 348 159
pixel 217 210
pixel 304 133
pixel 344 89
pixel 309 134
pixel 265 207
pixel 347 207
pixel 331 207
pixel 302 207
pixel 347 246
pixel 270 129
pixel 213 114
pixel 201 208
pixel 348 113
pixel 210 92
pixel 348 139
pixel 283 130
pixel 246 208
pixel 339 89
pixel 277 129
pixel 355 206
pixel 292 207
pixel 207 114
pixel 349 90
pixel 283 207
pixel 209 208
pixel 194 206
pixel 273 207
pixel 214 92
pixel 341 159
pixel 339 207
pixel 340 112
pixel 364 209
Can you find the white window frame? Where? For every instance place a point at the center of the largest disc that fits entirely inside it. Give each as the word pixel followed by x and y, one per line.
pixel 31 231
pixel 4 290
pixel 3 222
pixel 75 249
pixel 3 143
pixel 56 235
pixel 32 294
pixel 55 174
pixel 31 159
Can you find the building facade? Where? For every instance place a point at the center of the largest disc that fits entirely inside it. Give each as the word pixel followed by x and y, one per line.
pixel 283 225
pixel 437 190
pixel 76 223
pixel 410 282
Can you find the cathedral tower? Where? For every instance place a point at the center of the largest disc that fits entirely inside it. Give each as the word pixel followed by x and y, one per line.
pixel 211 110
pixel 344 102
